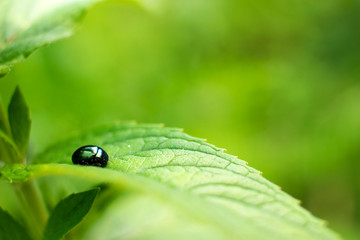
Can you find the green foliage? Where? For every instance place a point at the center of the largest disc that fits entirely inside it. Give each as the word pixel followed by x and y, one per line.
pixel 68 213
pixel 15 132
pixel 190 165
pixel 10 229
pixel 274 80
pixel 26 26
pixel 20 123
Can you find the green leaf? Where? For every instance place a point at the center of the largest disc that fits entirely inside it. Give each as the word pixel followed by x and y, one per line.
pixel 68 213
pixel 20 123
pixel 211 186
pixel 28 25
pixel 10 229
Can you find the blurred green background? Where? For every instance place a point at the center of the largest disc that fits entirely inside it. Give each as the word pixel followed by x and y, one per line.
pixel 275 82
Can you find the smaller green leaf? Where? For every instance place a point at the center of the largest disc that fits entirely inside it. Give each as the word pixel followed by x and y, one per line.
pixel 10 229
pixel 68 213
pixel 20 122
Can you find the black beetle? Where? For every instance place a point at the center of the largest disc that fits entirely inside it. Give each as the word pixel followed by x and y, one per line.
pixel 90 155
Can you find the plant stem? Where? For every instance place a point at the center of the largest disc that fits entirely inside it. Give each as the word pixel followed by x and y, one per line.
pixel 36 213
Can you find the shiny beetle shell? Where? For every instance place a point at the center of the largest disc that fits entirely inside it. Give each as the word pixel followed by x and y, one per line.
pixel 90 155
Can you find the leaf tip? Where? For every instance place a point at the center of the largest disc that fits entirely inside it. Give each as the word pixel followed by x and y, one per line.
pixel 17 96
pixel 97 190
